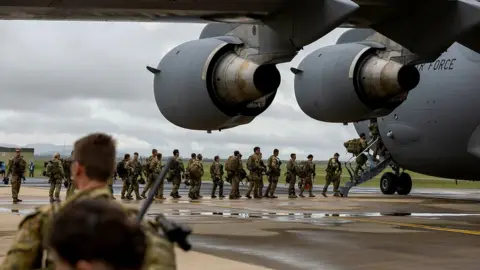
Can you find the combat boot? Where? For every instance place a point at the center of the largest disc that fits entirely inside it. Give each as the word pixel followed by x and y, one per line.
pixel 324 194
pixel 273 197
pixel 16 200
pixel 213 196
pixel 143 195
pixel 52 200
pixel 221 196
pixel 122 197
pixel 57 199
pixel 301 195
pixel 248 197
pixel 311 195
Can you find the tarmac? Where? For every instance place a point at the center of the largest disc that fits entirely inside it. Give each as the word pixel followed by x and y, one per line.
pixel 429 229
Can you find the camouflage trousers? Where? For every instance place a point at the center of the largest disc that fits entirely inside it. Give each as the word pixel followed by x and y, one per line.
pixel 159 191
pixel 331 178
pixel 176 181
pixel 70 189
pixel 55 187
pixel 272 186
pixel 360 161
pixel 110 188
pixel 217 183
pixel 16 184
pixel 292 179
pixel 195 186
pixel 134 187
pixel 235 189
pixel 306 181
pixel 148 185
pixel 255 185
pixel 125 186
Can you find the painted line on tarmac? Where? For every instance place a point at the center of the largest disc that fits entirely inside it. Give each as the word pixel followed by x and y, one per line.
pixel 417 226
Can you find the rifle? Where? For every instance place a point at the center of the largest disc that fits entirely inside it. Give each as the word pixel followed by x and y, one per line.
pixel 173 231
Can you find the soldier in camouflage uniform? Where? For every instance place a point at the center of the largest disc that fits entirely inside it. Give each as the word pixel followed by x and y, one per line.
pixel 149 173
pixel 255 168
pixel 307 180
pixel 94 159
pixel 233 167
pixel 334 171
pixel 175 174
pixel 134 169
pixel 125 179
pixel 156 168
pixel 187 172
pixel 55 174
pixel 110 181
pixel 16 167
pixel 216 172
pixel 66 169
pixel 273 164
pixel 264 171
pixel 361 158
pixel 375 134
pixel 196 173
pixel 292 175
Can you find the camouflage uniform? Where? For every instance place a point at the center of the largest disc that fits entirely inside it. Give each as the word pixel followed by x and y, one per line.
pixel 334 171
pixel 216 172
pixel 67 163
pixel 187 172
pixel 375 133
pixel 134 169
pixel 176 172
pixel 307 180
pixel 126 181
pixel 29 250
pixel 16 167
pixel 155 169
pixel 149 175
pixel 110 182
pixel 255 168
pixel 233 176
pixel 273 164
pixel 361 158
pixel 56 175
pixel 196 182
pixel 261 184
pixel 291 177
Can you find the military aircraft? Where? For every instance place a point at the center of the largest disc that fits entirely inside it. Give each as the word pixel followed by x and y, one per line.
pixel 411 64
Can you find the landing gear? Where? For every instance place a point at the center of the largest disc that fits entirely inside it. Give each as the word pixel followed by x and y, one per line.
pixel 396 182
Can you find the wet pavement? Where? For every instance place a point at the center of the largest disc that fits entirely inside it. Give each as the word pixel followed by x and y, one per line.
pixel 429 229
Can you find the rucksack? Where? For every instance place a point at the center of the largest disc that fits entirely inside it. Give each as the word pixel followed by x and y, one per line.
pixel 353 146
pixel 229 164
pixel 195 170
pixel 121 171
pixel 250 163
pixel 303 169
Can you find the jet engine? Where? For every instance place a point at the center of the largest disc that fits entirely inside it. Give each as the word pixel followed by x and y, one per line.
pixel 204 85
pixel 349 82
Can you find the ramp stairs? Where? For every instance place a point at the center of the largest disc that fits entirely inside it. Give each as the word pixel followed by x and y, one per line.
pixel 373 168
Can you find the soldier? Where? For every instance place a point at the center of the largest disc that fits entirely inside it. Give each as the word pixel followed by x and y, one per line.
pixel 264 171
pixel 273 164
pixel 176 172
pixel 55 176
pixel 123 173
pixel 255 168
pixel 156 168
pixel 292 175
pixel 216 172
pixel 110 182
pixel 93 162
pixel 334 171
pixel 307 180
pixel 149 173
pixel 67 163
pixel 361 158
pixel 187 172
pixel 375 134
pixel 196 173
pixel 232 166
pixel 78 243
pixel 16 167
pixel 134 169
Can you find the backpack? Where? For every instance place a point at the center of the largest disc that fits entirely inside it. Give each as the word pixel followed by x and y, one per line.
pixel 195 170
pixel 229 164
pixel 353 146
pixel 121 171
pixel 303 169
pixel 250 163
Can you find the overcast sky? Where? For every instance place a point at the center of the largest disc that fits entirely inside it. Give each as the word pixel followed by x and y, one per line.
pixel 62 80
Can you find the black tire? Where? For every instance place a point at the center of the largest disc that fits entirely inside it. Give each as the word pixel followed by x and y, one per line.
pixel 404 184
pixel 388 183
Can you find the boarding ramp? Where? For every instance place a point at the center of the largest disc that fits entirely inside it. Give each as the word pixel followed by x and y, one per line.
pixel 373 168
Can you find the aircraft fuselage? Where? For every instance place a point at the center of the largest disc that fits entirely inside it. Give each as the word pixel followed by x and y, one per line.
pixel 434 131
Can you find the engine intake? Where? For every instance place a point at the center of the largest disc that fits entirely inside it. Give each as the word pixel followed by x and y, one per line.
pixel 204 85
pixel 349 82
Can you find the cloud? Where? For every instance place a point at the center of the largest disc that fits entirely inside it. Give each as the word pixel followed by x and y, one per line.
pixel 61 80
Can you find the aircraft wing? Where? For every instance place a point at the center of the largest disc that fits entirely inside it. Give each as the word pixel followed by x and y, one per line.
pixel 425 27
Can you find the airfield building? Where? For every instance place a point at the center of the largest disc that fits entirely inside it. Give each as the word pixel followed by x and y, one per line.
pixel 8 152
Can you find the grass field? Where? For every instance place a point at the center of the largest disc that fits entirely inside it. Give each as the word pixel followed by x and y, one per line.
pixel 419 180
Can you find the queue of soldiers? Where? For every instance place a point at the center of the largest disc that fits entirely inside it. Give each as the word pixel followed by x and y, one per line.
pixel 131 171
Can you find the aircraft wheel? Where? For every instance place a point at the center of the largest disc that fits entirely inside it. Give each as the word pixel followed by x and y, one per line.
pixel 388 183
pixel 404 184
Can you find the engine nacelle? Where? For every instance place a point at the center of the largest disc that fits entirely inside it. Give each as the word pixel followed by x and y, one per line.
pixel 349 82
pixel 204 85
